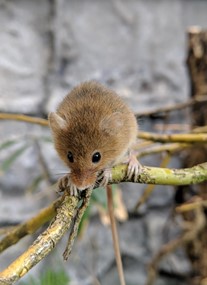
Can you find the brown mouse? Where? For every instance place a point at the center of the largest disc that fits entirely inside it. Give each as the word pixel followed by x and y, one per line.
pixel 93 129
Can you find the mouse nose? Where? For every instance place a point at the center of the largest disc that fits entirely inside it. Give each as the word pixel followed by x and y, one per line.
pixel 83 180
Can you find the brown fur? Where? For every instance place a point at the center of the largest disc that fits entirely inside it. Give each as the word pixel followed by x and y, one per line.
pixel 94 119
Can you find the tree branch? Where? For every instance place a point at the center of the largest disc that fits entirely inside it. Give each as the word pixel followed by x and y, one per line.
pixel 163 176
pixel 149 175
pixel 183 138
pixel 30 226
pixel 175 107
pixel 197 226
pixel 24 118
pixel 44 243
pixel 67 206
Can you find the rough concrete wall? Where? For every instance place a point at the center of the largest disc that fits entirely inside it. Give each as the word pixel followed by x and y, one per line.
pixel 23 49
pixel 136 47
pixel 132 47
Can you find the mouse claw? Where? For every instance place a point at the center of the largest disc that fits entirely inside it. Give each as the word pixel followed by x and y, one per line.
pixel 73 190
pixel 105 177
pixel 65 183
pixel 134 168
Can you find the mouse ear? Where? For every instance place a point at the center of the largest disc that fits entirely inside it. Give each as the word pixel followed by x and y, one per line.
pixel 56 122
pixel 112 124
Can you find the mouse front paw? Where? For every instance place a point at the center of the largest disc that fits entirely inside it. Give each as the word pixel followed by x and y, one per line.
pixel 105 177
pixel 65 183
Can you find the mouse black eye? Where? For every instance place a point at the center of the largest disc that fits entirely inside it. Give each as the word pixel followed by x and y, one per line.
pixel 96 157
pixel 70 156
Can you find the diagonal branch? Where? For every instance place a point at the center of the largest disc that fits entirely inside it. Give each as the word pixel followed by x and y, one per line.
pixel 30 226
pixel 44 243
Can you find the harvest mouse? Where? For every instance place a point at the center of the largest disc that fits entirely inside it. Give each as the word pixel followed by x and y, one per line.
pixel 93 129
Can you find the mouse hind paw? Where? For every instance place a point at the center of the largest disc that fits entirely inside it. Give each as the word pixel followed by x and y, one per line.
pixel 134 168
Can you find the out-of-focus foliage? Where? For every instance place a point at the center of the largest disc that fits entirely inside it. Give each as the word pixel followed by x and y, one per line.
pixel 50 277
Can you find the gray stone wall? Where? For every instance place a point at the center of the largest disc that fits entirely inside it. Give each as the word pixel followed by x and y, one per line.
pixel 136 47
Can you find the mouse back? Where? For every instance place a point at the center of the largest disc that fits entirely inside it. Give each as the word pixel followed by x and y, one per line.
pixel 92 119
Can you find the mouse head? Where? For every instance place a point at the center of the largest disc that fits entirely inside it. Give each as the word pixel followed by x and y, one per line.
pixel 86 148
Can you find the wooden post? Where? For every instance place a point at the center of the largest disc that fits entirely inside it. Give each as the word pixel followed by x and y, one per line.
pixel 197 69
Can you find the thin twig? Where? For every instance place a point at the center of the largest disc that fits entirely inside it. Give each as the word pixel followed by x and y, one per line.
pixel 43 163
pixel 170 148
pixel 197 226
pixel 115 235
pixel 44 122
pixel 183 138
pixel 175 107
pixel 202 129
pixel 76 223
pixel 191 206
pixel 24 118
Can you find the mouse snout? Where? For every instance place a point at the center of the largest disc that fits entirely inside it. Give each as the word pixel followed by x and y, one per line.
pixel 83 179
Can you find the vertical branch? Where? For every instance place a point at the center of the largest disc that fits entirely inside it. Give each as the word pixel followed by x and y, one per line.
pixel 197 69
pixel 115 236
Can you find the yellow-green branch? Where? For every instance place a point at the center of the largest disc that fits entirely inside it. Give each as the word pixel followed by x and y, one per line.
pixel 24 118
pixel 183 138
pixel 149 175
pixel 30 226
pixel 163 176
pixel 43 244
pixel 66 209
pixel 170 148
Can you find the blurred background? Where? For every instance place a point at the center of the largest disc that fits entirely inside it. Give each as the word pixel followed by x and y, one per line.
pixel 137 48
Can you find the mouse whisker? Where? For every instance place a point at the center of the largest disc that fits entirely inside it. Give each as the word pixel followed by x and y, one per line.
pixel 61 173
